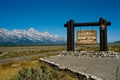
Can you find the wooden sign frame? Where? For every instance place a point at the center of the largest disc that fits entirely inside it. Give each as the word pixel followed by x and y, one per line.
pixel 103 32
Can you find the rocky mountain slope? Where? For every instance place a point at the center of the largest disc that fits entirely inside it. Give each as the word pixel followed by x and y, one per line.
pixel 30 36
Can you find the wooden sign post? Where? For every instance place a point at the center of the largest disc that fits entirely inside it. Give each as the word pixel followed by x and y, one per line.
pixel 103 32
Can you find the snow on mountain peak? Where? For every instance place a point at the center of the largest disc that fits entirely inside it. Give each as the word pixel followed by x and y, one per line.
pixel 31 35
pixel 3 30
pixel 31 30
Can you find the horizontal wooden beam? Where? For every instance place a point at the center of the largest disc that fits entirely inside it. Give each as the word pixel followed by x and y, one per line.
pixel 87 24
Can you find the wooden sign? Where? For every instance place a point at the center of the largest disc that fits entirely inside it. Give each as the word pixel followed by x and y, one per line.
pixel 86 37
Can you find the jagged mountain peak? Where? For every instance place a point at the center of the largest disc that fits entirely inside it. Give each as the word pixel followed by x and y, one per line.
pixel 32 30
pixel 2 29
pixel 17 36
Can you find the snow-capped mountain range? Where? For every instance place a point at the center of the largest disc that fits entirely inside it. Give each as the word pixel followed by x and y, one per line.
pixel 30 36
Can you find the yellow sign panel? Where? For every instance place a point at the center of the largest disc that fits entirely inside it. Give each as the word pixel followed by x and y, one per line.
pixel 86 37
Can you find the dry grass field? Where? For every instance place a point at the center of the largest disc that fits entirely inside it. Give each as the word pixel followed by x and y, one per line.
pixel 16 51
pixel 111 47
pixel 8 70
pixel 11 71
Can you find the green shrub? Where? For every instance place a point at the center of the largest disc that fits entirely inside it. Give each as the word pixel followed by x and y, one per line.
pixel 36 73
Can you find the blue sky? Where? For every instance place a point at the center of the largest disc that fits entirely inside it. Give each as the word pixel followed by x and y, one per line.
pixel 50 15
